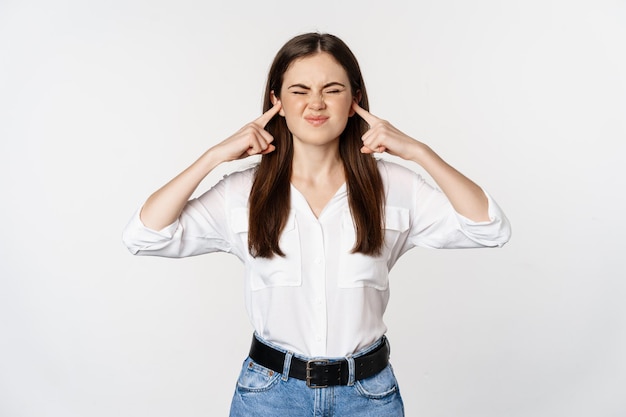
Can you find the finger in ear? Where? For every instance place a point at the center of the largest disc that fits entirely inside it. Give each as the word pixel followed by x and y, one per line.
pixel 276 100
pixel 356 99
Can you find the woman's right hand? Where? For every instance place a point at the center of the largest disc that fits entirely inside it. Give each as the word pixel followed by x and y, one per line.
pixel 165 205
pixel 252 139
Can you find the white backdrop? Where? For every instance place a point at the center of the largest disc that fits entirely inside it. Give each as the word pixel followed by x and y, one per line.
pixel 101 102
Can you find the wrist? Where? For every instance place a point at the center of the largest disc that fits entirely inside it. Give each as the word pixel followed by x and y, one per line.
pixel 210 159
pixel 420 153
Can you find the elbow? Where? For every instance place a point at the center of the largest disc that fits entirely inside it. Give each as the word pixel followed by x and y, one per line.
pixel 504 233
pixel 496 235
pixel 128 241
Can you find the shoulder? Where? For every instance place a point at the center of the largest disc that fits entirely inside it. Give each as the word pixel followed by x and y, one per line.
pixel 392 172
pixel 232 190
pixel 403 185
pixel 240 179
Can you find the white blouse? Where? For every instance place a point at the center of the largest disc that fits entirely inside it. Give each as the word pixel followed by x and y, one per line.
pixel 319 300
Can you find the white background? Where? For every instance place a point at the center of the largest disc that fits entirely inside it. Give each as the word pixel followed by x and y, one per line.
pixel 101 102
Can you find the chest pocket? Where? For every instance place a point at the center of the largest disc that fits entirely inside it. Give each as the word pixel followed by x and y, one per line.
pixel 277 271
pixel 357 270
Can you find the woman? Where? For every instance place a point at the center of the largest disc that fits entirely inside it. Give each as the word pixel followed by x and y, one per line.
pixel 318 225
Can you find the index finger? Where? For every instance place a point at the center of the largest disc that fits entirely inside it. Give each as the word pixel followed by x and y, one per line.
pixel 369 118
pixel 268 115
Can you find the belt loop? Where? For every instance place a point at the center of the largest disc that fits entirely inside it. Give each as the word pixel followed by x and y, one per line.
pixel 386 341
pixel 351 373
pixel 287 365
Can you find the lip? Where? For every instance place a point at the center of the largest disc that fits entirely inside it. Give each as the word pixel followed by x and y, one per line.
pixel 316 120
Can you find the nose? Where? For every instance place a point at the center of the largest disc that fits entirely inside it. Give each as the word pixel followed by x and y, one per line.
pixel 317 102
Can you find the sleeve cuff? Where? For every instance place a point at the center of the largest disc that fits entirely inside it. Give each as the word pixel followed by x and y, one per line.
pixel 494 232
pixel 138 236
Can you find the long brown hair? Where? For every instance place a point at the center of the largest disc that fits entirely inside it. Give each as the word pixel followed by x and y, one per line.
pixel 269 201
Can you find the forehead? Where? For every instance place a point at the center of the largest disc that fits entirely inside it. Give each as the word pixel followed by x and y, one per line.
pixel 319 68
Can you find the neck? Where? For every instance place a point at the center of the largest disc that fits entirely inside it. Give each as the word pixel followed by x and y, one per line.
pixel 312 162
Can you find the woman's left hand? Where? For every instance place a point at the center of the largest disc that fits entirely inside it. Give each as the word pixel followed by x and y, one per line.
pixel 384 137
pixel 466 197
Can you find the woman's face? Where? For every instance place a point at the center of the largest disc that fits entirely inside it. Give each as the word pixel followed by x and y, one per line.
pixel 316 99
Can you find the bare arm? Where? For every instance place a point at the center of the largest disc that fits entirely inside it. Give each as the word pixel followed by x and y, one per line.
pixel 164 206
pixel 467 198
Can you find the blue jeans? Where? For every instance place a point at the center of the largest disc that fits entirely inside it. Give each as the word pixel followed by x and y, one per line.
pixel 263 392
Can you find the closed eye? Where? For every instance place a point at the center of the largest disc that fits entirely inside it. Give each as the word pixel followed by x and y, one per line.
pixel 328 88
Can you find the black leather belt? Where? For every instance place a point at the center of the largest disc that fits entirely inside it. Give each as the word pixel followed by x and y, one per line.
pixel 321 373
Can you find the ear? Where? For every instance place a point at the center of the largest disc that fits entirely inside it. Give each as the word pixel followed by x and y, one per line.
pixel 356 99
pixel 275 100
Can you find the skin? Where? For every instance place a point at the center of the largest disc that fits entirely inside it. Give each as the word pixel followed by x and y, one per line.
pixel 164 206
pixel 466 197
pixel 316 102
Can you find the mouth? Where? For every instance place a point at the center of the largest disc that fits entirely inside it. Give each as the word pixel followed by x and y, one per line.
pixel 316 120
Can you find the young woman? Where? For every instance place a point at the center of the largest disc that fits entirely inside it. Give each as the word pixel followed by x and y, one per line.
pixel 318 225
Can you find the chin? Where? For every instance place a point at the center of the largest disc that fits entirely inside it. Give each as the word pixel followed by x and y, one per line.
pixel 317 136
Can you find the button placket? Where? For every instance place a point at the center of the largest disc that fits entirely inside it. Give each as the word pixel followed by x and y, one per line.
pixel 319 286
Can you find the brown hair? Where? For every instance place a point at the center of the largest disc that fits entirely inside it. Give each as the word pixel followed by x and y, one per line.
pixel 269 201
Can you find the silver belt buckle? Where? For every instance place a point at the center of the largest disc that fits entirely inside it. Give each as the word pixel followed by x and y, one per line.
pixel 309 368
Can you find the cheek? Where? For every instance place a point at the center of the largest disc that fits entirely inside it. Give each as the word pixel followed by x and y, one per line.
pixel 291 116
pixel 343 107
pixel 291 106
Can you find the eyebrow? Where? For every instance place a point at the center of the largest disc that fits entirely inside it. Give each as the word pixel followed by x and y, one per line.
pixel 331 84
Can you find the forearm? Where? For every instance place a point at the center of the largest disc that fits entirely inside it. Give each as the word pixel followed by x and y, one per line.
pixel 164 206
pixel 467 198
